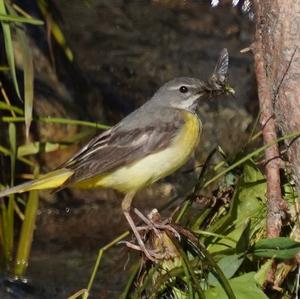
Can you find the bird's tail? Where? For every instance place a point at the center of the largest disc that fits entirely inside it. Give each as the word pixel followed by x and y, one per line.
pixel 50 180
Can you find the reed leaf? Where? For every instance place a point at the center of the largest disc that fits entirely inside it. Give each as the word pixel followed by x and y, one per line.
pixel 9 50
pixel 17 19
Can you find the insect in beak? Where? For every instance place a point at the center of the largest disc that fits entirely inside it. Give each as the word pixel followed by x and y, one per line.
pixel 217 83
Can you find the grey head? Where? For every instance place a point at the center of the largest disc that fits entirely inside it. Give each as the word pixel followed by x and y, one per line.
pixel 185 92
pixel 182 93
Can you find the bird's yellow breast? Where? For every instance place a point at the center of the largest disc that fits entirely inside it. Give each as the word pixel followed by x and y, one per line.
pixel 154 166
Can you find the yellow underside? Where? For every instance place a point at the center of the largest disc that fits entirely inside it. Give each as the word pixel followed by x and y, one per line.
pixel 153 167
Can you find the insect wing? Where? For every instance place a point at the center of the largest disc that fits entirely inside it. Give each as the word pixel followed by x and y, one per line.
pixel 221 67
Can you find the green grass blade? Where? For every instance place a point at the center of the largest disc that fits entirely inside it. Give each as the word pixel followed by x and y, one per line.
pixel 81 293
pixel 7 152
pixel 28 79
pixel 6 255
pixel 250 156
pixel 17 19
pixel 192 281
pixel 207 233
pixel 39 147
pixel 215 269
pixel 28 71
pixel 134 271
pixel 11 201
pixel 5 106
pixel 55 29
pixel 26 236
pixel 13 150
pixel 98 260
pixel 9 48
pixel 57 120
pixel 4 68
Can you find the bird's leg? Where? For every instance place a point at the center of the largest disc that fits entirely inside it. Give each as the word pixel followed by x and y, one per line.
pixel 126 203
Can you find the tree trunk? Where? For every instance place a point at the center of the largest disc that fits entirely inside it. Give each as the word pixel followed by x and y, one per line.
pixel 277 60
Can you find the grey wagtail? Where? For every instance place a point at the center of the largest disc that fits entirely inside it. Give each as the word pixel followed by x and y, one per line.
pixel 147 145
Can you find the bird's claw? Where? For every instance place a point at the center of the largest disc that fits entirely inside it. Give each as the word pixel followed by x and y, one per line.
pixel 153 222
pixel 153 255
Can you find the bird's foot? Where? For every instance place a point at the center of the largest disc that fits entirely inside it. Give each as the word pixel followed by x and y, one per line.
pixel 153 238
pixel 153 222
pixel 151 254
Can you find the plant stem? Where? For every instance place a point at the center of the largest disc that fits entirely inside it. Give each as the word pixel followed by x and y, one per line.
pixel 26 236
pixel 56 120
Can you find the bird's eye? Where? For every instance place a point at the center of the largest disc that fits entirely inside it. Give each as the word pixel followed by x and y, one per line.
pixel 183 89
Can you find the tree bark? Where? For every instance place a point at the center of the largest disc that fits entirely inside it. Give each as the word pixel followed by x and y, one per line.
pixel 277 60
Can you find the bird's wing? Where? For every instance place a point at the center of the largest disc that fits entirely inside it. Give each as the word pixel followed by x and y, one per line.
pixel 118 147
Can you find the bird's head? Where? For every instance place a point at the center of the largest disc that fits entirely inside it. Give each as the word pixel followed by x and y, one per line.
pixel 185 92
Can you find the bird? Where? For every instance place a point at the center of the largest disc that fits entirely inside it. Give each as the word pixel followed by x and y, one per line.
pixel 149 144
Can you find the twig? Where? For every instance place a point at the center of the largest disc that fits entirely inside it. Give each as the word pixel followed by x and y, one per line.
pixel 285 73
